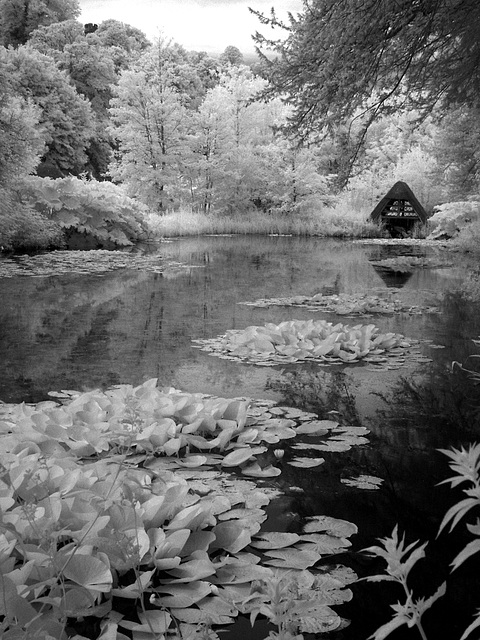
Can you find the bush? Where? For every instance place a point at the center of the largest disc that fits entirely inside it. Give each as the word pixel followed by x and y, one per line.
pixel 468 238
pixel 451 218
pixel 23 228
pixel 101 210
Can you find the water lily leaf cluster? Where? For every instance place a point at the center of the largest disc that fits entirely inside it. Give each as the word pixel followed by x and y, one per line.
pixel 97 261
pixel 346 304
pixel 164 429
pixel 100 519
pixel 306 341
pixel 297 599
pixel 341 437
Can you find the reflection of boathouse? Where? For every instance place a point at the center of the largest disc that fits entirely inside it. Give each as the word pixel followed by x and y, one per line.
pixel 399 210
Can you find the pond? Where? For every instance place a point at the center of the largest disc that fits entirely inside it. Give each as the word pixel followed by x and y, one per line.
pixel 83 329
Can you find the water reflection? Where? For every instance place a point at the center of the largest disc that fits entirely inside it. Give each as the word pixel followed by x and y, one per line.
pixel 127 326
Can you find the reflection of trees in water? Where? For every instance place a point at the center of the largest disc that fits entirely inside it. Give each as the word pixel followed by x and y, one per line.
pixel 436 410
pixel 393 278
pixel 447 394
pixel 446 398
pixel 321 391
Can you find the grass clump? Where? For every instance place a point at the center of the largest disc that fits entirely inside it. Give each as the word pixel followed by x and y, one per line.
pixel 327 222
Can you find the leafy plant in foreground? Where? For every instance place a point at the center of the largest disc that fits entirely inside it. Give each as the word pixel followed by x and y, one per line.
pixel 465 462
pixel 107 531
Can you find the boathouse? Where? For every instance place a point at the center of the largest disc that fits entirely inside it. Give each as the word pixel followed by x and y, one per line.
pixel 399 211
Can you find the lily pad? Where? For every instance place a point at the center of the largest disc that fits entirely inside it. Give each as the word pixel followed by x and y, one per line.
pixel 274 540
pixel 306 463
pixel 292 558
pixel 333 526
pixel 256 471
pixel 97 261
pixel 350 304
pixel 367 482
pixel 317 427
pixel 324 543
pixel 237 457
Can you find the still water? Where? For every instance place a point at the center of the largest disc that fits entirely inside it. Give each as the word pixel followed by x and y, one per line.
pixel 77 331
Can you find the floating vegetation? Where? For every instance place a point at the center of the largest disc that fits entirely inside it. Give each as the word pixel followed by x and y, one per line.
pixel 311 340
pixel 341 437
pixel 99 261
pixel 415 242
pixel 119 507
pixel 407 264
pixel 306 463
pixel 363 482
pixel 346 304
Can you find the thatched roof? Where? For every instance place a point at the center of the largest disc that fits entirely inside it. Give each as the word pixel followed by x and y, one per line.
pixel 399 191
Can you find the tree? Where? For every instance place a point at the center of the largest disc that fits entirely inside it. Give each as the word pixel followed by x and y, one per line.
pixel 151 121
pixel 87 63
pixel 124 42
pixel 342 58
pixel 232 55
pixel 206 68
pixel 92 70
pixel 211 144
pixel 243 125
pixel 22 140
pixel 172 64
pixel 113 33
pixel 93 60
pixel 53 38
pixel 18 18
pixel 241 161
pixel 65 116
pixel 456 146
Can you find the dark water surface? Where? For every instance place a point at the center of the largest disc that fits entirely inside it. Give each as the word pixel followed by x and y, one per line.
pixel 85 331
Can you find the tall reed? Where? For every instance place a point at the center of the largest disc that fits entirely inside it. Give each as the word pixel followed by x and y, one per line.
pixel 326 222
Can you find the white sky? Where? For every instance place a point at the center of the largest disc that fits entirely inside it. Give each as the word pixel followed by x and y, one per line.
pixel 198 25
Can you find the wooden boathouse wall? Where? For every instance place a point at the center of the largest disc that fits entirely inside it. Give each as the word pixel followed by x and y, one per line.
pixel 399 210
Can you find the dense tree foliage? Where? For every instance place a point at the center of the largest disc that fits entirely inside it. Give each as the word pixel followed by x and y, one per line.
pixel 360 94
pixel 125 43
pixel 18 18
pixel 150 124
pixel 93 59
pixel 21 140
pixel 65 116
pixel 228 130
pixel 456 145
pixel 342 57
pixel 149 113
pixel 232 55
pixel 181 144
pixel 91 68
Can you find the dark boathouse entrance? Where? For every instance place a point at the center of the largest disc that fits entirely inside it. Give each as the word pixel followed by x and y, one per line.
pixel 399 211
